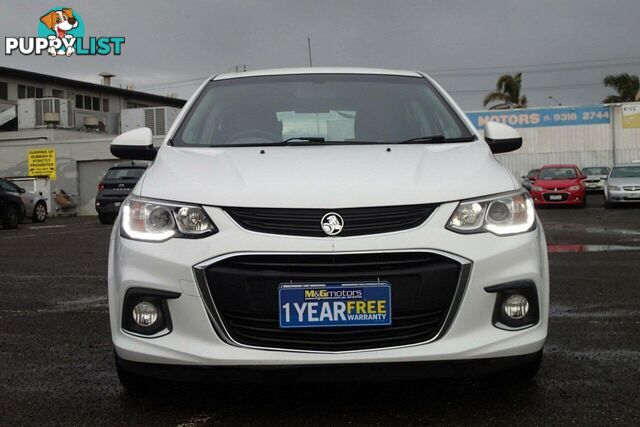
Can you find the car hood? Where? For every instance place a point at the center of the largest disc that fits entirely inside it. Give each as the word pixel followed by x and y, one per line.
pixel 596 176
pixel 556 183
pixel 624 181
pixel 330 176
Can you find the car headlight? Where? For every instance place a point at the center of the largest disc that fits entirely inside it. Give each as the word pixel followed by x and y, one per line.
pixel 502 215
pixel 574 188
pixel 156 221
pixel 613 188
pixel 537 188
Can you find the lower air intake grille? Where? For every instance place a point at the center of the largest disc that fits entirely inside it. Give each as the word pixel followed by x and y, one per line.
pixel 244 297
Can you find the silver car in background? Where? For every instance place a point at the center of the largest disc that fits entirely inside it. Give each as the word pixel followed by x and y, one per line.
pixel 34 202
pixel 596 177
pixel 623 185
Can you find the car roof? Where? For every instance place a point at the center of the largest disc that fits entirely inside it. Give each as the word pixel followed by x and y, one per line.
pixel 128 167
pixel 559 166
pixel 318 70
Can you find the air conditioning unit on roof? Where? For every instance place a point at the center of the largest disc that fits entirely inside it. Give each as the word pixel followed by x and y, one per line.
pixel 33 111
pixel 158 119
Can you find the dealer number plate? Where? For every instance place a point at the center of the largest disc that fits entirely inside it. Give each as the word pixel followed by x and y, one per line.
pixel 311 305
pixel 555 197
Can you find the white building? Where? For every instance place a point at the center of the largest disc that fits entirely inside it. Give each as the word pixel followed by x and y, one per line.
pixel 78 120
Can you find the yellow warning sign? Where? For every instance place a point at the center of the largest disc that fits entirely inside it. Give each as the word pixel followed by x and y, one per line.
pixel 42 162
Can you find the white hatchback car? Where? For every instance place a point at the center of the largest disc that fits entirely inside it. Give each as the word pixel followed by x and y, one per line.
pixel 342 218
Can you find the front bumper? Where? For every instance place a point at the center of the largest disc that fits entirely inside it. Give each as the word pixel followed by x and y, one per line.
pixel 622 196
pixel 269 374
pixel 169 266
pixel 546 198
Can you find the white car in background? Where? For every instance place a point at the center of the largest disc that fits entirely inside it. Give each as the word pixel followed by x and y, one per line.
pixel 596 177
pixel 623 185
pixel 34 203
pixel 333 218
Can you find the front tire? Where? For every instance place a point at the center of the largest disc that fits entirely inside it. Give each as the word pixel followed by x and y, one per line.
pixel 106 219
pixel 39 212
pixel 11 217
pixel 139 384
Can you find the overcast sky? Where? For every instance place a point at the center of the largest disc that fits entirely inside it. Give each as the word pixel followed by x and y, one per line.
pixel 563 48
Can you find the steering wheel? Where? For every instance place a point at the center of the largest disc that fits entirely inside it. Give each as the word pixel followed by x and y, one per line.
pixel 256 133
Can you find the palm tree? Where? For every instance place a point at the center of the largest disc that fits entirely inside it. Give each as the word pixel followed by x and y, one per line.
pixel 507 90
pixel 627 85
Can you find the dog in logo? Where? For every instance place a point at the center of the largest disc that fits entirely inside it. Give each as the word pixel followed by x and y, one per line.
pixel 60 21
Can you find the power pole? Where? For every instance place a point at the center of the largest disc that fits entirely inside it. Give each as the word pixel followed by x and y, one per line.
pixel 309 46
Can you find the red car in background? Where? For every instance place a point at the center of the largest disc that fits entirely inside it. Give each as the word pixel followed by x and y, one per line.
pixel 559 185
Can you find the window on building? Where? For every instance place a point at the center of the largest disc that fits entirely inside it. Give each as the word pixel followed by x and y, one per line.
pixel 105 105
pixel 57 93
pixel 136 105
pixel 4 90
pixel 87 102
pixel 96 104
pixel 25 91
pixel 79 101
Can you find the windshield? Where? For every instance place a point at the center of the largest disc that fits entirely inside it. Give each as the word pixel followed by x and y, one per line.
pixel 558 173
pixel 338 108
pixel 124 173
pixel 595 171
pixel 533 173
pixel 626 172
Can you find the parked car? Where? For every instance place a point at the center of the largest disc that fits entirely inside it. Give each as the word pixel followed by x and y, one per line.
pixel 114 188
pixel 623 185
pixel 596 177
pixel 529 179
pixel 12 209
pixel 559 185
pixel 34 203
pixel 325 215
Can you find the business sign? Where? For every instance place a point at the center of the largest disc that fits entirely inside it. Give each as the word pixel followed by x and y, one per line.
pixel 542 117
pixel 42 162
pixel 631 115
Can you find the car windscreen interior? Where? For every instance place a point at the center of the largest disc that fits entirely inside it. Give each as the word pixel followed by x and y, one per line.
pixel 595 171
pixel 626 172
pixel 333 107
pixel 124 173
pixel 558 173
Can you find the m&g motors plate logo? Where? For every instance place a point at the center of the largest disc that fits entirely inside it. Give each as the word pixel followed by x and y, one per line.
pixel 61 32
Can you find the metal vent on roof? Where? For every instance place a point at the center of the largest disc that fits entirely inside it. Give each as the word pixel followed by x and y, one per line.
pixel 148 119
pixel 160 125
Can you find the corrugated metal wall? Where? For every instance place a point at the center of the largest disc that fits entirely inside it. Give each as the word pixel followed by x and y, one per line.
pixel 584 145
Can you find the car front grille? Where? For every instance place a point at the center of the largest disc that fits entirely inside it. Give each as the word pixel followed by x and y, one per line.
pixel 632 188
pixel 241 294
pixel 306 222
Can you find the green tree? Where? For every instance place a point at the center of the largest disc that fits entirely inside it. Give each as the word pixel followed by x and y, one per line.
pixel 508 91
pixel 627 85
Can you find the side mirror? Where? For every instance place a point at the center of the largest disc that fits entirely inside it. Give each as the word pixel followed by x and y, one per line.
pixel 501 138
pixel 583 176
pixel 136 144
pixel 21 190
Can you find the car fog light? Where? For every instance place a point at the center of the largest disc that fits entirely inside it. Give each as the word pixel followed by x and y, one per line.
pixel 145 313
pixel 516 306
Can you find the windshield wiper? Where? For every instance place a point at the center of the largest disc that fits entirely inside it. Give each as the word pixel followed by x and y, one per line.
pixel 299 139
pixel 435 139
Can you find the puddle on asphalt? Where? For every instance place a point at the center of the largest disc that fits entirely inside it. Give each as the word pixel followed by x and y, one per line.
pixel 560 248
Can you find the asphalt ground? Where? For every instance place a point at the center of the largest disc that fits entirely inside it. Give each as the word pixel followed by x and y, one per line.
pixel 56 361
